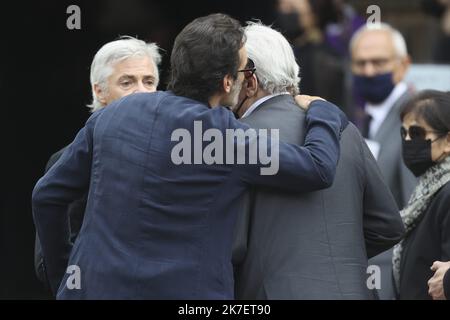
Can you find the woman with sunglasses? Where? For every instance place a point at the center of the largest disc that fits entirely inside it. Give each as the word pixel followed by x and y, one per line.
pixel 426 152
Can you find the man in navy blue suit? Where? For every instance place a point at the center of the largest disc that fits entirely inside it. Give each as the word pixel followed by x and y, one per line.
pixel 159 218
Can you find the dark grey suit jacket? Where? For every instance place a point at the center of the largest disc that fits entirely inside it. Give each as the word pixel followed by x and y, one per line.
pixel 315 245
pixel 397 176
pixel 76 214
pixel 399 179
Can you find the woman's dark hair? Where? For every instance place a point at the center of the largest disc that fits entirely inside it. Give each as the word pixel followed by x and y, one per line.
pixel 204 52
pixel 432 106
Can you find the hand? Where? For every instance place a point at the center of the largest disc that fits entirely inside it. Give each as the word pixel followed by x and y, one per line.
pixel 435 284
pixel 305 101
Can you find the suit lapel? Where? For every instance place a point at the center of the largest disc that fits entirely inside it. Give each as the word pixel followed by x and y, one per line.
pixel 390 124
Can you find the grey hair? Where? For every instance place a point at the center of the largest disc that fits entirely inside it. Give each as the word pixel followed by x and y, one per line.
pixel 397 38
pixel 276 68
pixel 113 52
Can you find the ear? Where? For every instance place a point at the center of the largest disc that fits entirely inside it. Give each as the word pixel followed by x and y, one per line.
pixel 401 69
pixel 251 86
pixel 406 62
pixel 228 83
pixel 100 94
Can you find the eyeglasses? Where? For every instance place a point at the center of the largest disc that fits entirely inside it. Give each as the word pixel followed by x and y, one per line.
pixel 378 64
pixel 418 133
pixel 249 70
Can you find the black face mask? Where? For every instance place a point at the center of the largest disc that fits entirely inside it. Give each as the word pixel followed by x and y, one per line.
pixel 417 156
pixel 290 25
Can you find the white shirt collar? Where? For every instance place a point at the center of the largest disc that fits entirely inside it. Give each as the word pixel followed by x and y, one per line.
pixel 379 112
pixel 258 102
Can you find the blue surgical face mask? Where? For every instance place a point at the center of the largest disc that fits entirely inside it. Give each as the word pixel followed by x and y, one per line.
pixel 374 89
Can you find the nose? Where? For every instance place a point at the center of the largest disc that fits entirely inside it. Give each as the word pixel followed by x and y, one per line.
pixel 405 134
pixel 140 88
pixel 369 69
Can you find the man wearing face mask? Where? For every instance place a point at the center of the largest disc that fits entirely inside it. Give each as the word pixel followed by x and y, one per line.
pixel 379 64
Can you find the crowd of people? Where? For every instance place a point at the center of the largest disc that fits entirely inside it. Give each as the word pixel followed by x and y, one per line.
pixel 347 196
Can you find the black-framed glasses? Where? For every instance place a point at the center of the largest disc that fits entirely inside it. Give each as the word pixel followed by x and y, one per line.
pixel 418 133
pixel 249 70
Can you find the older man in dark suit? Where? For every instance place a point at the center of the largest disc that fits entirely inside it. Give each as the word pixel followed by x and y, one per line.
pixel 315 245
pixel 380 62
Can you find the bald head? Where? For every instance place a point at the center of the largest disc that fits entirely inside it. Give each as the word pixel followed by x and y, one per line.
pixel 387 37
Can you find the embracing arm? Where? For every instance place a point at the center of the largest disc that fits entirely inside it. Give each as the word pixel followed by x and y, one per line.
pixel 301 168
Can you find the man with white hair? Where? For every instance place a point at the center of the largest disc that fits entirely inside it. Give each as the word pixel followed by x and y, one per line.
pixel 119 68
pixel 314 245
pixel 379 64
pixel 123 67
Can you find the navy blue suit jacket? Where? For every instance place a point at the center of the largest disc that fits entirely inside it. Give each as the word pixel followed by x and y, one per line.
pixel 153 229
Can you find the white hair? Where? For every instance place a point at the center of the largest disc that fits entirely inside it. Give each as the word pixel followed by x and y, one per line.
pixel 113 52
pixel 276 68
pixel 397 38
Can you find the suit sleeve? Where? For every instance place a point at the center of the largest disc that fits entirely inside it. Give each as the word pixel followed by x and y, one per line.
pixel 38 257
pixel 300 168
pixel 65 182
pixel 382 223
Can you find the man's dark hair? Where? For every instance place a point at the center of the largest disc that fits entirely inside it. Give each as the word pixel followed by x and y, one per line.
pixel 432 106
pixel 204 52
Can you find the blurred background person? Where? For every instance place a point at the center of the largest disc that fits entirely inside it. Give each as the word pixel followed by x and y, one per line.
pixel 441 10
pixel 119 68
pixel 379 64
pixel 320 31
pixel 426 151
pixel 439 284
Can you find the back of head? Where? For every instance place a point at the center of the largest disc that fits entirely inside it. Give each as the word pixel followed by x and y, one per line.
pixel 116 51
pixel 432 106
pixel 276 68
pixel 204 52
